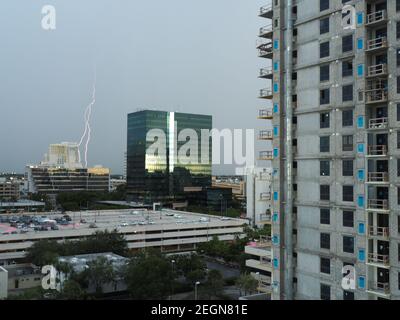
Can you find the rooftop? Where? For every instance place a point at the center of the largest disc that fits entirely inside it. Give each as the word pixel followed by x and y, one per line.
pixel 126 221
pixel 81 262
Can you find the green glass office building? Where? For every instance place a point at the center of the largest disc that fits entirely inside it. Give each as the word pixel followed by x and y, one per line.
pixel 168 153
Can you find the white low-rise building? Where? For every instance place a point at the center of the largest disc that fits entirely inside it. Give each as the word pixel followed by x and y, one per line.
pixel 258 195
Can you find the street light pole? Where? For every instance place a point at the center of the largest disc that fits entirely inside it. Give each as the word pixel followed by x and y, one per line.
pixel 195 289
pixel 172 284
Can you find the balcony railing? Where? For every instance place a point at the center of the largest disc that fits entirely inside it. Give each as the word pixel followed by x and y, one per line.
pixel 266 155
pixel 378 123
pixel 265 196
pixel 265 48
pixel 265 135
pixel 266 94
pixel 378 204
pixel 378 177
pixel 376 17
pixel 266 31
pixel 265 114
pixel 377 43
pixel 377 70
pixel 378 258
pixel 378 231
pixel 381 287
pixel 376 95
pixel 265 217
pixel 377 150
pixel 266 73
pixel 266 11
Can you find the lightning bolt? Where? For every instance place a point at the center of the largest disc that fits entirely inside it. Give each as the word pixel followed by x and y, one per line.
pixel 86 117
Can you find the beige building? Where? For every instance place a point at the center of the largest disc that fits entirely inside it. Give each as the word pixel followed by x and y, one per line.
pixel 9 190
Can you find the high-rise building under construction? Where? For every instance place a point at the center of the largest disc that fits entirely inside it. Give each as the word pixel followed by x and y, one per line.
pixel 334 103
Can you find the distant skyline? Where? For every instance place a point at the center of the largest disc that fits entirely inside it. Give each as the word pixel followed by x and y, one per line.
pixel 186 56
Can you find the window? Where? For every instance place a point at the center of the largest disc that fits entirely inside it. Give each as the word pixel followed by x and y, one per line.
pixel 324 97
pixel 398 112
pixel 397 30
pixel 347 43
pixel 398 57
pixel 348 195
pixel 324 168
pixel 347 168
pixel 347 93
pixel 324 49
pixel 398 195
pixel 324 144
pixel 347 143
pixel 348 244
pixel 325 265
pixel 324 25
pixel 325 242
pixel 348 219
pixel 325 292
pixel 325 216
pixel 323 5
pixel 347 118
pixel 398 167
pixel 324 192
pixel 347 68
pixel 324 120
pixel 398 84
pixel 324 73
pixel 398 139
pixel 398 279
pixel 348 295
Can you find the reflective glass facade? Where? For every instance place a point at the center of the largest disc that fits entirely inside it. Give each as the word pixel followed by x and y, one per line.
pixel 166 153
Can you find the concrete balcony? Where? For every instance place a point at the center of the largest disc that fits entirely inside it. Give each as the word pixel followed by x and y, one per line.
pixel 377 70
pixel 265 135
pixel 382 232
pixel 266 11
pixel 376 17
pixel 265 114
pixel 377 44
pixel 376 96
pixel 378 177
pixel 378 123
pixel 380 260
pixel 266 73
pixel 266 94
pixel 265 196
pixel 265 218
pixel 259 265
pixel 266 155
pixel 266 31
pixel 379 288
pixel 265 49
pixel 377 150
pixel 378 204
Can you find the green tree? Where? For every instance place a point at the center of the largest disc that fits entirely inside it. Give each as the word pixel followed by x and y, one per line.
pixel 72 290
pixel 247 283
pixel 185 264
pixel 149 276
pixel 214 284
pixel 44 252
pixel 99 273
